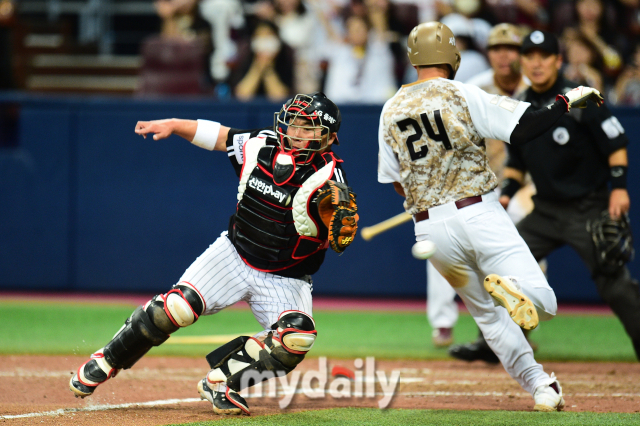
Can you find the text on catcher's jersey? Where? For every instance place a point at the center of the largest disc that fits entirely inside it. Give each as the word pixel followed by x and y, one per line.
pixel 431 140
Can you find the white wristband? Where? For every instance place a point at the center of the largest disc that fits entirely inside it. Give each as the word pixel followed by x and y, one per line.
pixel 206 134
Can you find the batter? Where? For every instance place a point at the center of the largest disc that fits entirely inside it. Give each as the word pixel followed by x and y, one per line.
pixel 431 148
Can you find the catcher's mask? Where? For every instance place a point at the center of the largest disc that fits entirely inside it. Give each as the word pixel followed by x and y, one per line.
pixel 613 241
pixel 305 124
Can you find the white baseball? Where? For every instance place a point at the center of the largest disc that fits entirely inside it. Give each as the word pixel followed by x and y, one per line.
pixel 423 249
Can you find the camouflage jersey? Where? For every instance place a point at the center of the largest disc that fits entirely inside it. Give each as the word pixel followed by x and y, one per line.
pixel 431 140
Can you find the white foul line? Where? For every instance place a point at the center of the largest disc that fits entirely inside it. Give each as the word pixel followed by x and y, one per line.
pixel 102 407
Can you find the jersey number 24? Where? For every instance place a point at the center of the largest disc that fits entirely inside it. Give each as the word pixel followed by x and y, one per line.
pixel 440 137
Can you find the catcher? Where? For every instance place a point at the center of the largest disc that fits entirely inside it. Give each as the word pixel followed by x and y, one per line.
pixel 293 203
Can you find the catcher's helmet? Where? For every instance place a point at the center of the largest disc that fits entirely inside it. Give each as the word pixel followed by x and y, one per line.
pixel 504 34
pixel 433 43
pixel 613 241
pixel 319 114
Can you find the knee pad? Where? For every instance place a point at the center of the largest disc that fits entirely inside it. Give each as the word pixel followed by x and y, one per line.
pixel 295 331
pixel 150 325
pixel 180 307
pixel 264 360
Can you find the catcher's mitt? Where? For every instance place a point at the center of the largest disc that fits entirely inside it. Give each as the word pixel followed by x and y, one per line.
pixel 339 212
pixel 613 241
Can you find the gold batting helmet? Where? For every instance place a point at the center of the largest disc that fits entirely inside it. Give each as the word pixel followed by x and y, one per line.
pixel 504 34
pixel 433 43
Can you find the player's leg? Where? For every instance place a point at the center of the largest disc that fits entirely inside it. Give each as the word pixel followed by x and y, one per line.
pixel 466 247
pixel 442 310
pixel 283 308
pixel 616 287
pixel 207 286
pixel 505 254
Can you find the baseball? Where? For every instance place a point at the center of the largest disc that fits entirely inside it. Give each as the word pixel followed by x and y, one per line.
pixel 423 249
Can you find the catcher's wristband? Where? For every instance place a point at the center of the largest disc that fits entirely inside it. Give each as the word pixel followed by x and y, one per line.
pixel 509 187
pixel 618 177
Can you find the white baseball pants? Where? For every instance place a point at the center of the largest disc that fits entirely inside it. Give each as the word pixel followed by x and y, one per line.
pixel 478 240
pixel 222 277
pixel 442 310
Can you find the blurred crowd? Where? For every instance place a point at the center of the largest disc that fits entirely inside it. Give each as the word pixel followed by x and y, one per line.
pixel 355 50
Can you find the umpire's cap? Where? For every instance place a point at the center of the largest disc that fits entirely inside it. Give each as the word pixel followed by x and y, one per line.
pixel 433 43
pixel 543 40
pixel 504 34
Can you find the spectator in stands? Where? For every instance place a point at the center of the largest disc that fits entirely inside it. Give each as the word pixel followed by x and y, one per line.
pixel 530 13
pixel 360 67
pixel 298 28
pixel 472 61
pixel 627 89
pixel 583 61
pixel 394 22
pixel 177 18
pixel 594 24
pixel 223 16
pixel 265 66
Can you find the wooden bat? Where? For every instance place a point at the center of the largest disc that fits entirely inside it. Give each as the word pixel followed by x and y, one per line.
pixel 368 232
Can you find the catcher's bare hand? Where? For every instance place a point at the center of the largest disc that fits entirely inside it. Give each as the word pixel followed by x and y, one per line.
pixel 618 203
pixel 159 128
pixel 578 97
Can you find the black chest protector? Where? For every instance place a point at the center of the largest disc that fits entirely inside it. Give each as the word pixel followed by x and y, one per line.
pixel 264 232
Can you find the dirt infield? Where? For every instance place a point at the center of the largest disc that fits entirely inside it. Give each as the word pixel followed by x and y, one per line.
pixel 160 391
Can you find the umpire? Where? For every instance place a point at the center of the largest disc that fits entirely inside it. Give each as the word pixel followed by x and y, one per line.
pixel 572 166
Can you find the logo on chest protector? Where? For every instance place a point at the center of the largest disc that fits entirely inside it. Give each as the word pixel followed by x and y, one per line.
pixel 266 188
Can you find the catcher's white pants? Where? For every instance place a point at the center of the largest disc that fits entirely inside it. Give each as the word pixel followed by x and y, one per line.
pixel 442 310
pixel 222 277
pixel 479 240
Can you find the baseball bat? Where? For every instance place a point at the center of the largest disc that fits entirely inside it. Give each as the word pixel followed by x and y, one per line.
pixel 368 232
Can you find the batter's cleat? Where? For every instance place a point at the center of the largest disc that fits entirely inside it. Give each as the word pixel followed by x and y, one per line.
pixel 549 397
pixel 478 350
pixel 442 337
pixel 224 400
pixel 90 375
pixel 509 294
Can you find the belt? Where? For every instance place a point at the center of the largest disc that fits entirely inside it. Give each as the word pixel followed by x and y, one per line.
pixel 420 216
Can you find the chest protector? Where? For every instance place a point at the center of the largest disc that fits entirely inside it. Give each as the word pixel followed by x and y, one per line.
pixel 274 229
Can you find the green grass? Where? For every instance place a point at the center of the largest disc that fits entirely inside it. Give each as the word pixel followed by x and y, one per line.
pixel 81 328
pixel 394 417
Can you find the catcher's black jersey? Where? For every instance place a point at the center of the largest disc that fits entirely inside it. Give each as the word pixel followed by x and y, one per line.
pixel 570 160
pixel 261 230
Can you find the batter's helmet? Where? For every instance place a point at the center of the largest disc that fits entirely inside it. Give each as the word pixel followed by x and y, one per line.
pixel 433 43
pixel 613 241
pixel 504 34
pixel 320 114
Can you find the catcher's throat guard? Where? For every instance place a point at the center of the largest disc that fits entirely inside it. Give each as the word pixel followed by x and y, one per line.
pixel 613 240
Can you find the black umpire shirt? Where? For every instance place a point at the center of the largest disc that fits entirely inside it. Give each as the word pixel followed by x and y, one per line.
pixel 571 159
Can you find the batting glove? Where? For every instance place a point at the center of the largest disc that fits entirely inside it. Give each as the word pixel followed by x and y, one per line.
pixel 578 97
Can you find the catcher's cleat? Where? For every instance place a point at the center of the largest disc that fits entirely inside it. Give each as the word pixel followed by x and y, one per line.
pixel 442 337
pixel 225 401
pixel 549 397
pixel 478 350
pixel 90 375
pixel 508 294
